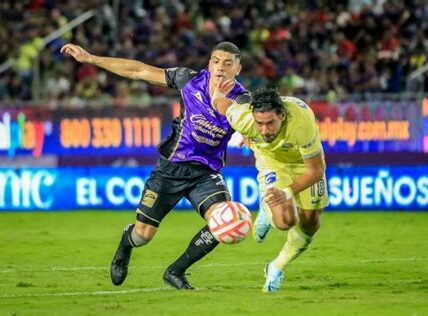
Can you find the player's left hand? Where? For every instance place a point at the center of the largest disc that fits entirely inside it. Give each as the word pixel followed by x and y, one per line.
pixel 274 197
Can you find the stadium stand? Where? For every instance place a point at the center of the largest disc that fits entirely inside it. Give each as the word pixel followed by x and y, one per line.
pixel 304 47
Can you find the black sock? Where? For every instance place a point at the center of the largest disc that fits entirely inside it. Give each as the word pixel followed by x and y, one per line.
pixel 126 241
pixel 202 243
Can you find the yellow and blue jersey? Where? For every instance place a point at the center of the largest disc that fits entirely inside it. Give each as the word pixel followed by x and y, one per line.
pixel 298 137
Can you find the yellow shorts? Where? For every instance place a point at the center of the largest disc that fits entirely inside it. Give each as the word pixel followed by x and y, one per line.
pixel 313 198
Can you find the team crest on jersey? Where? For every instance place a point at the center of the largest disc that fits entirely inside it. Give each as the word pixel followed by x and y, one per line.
pixel 149 198
pixel 198 95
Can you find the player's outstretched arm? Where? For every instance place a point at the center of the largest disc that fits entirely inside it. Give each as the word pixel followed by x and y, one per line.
pixel 127 68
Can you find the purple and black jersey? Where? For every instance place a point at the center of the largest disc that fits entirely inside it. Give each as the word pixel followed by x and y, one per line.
pixel 200 133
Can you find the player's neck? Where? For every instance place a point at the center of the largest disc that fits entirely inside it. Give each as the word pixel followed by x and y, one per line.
pixel 211 87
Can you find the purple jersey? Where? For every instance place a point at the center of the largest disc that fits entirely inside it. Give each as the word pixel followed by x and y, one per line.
pixel 200 133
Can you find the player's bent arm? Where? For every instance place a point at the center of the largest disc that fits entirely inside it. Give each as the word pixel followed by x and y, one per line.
pixel 222 104
pixel 127 68
pixel 315 168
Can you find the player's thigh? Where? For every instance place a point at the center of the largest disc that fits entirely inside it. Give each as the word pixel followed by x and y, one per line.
pixel 207 191
pixel 282 178
pixel 284 215
pixel 158 199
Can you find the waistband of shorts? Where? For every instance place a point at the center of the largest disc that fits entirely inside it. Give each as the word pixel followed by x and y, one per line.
pixel 194 165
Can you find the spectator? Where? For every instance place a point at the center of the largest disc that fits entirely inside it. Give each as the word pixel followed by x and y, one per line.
pixel 351 47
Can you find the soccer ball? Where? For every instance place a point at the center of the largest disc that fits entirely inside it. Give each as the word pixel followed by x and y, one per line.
pixel 230 222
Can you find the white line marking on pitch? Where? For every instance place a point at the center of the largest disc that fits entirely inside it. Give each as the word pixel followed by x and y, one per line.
pixel 53 269
pixel 155 289
pixel 158 289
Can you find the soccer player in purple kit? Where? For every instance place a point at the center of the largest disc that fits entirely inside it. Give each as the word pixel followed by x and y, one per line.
pixel 191 157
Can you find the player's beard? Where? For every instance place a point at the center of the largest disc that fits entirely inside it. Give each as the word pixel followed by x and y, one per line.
pixel 269 138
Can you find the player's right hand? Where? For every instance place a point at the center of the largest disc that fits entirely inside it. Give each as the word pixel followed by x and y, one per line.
pixel 225 86
pixel 274 196
pixel 219 98
pixel 76 52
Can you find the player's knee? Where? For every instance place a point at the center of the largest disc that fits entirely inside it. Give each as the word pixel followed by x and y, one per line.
pixel 285 224
pixel 284 217
pixel 311 227
pixel 145 231
pixel 314 227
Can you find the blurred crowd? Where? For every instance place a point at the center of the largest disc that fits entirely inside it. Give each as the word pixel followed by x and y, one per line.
pixel 302 47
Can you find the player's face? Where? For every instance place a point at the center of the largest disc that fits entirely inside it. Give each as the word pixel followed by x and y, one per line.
pixel 268 124
pixel 223 65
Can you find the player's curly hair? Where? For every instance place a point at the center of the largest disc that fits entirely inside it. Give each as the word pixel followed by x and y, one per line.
pixel 267 99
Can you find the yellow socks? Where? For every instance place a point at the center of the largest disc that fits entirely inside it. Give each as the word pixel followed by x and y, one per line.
pixel 297 242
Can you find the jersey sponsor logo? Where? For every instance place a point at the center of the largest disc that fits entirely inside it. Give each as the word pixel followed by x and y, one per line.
pixel 198 95
pixel 212 133
pixel 201 120
pixel 149 198
pixel 205 140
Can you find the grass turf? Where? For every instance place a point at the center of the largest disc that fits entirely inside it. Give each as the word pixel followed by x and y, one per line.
pixel 359 264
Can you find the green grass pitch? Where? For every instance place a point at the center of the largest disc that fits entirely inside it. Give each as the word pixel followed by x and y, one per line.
pixel 359 264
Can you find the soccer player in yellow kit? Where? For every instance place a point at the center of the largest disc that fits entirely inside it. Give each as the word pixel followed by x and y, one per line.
pixel 283 134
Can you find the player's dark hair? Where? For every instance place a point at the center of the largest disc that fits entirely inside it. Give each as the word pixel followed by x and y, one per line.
pixel 266 100
pixel 228 47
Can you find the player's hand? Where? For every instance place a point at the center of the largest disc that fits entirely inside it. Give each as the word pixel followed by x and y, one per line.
pixel 225 86
pixel 76 52
pixel 244 142
pixel 274 196
pixel 219 99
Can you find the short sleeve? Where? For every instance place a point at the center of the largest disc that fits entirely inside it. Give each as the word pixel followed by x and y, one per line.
pixel 178 77
pixel 243 98
pixel 241 119
pixel 309 141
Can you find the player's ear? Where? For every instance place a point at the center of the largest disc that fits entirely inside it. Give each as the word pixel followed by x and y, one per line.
pixel 238 69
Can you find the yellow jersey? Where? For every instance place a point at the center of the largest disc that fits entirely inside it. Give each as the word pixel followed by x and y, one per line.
pixel 298 137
